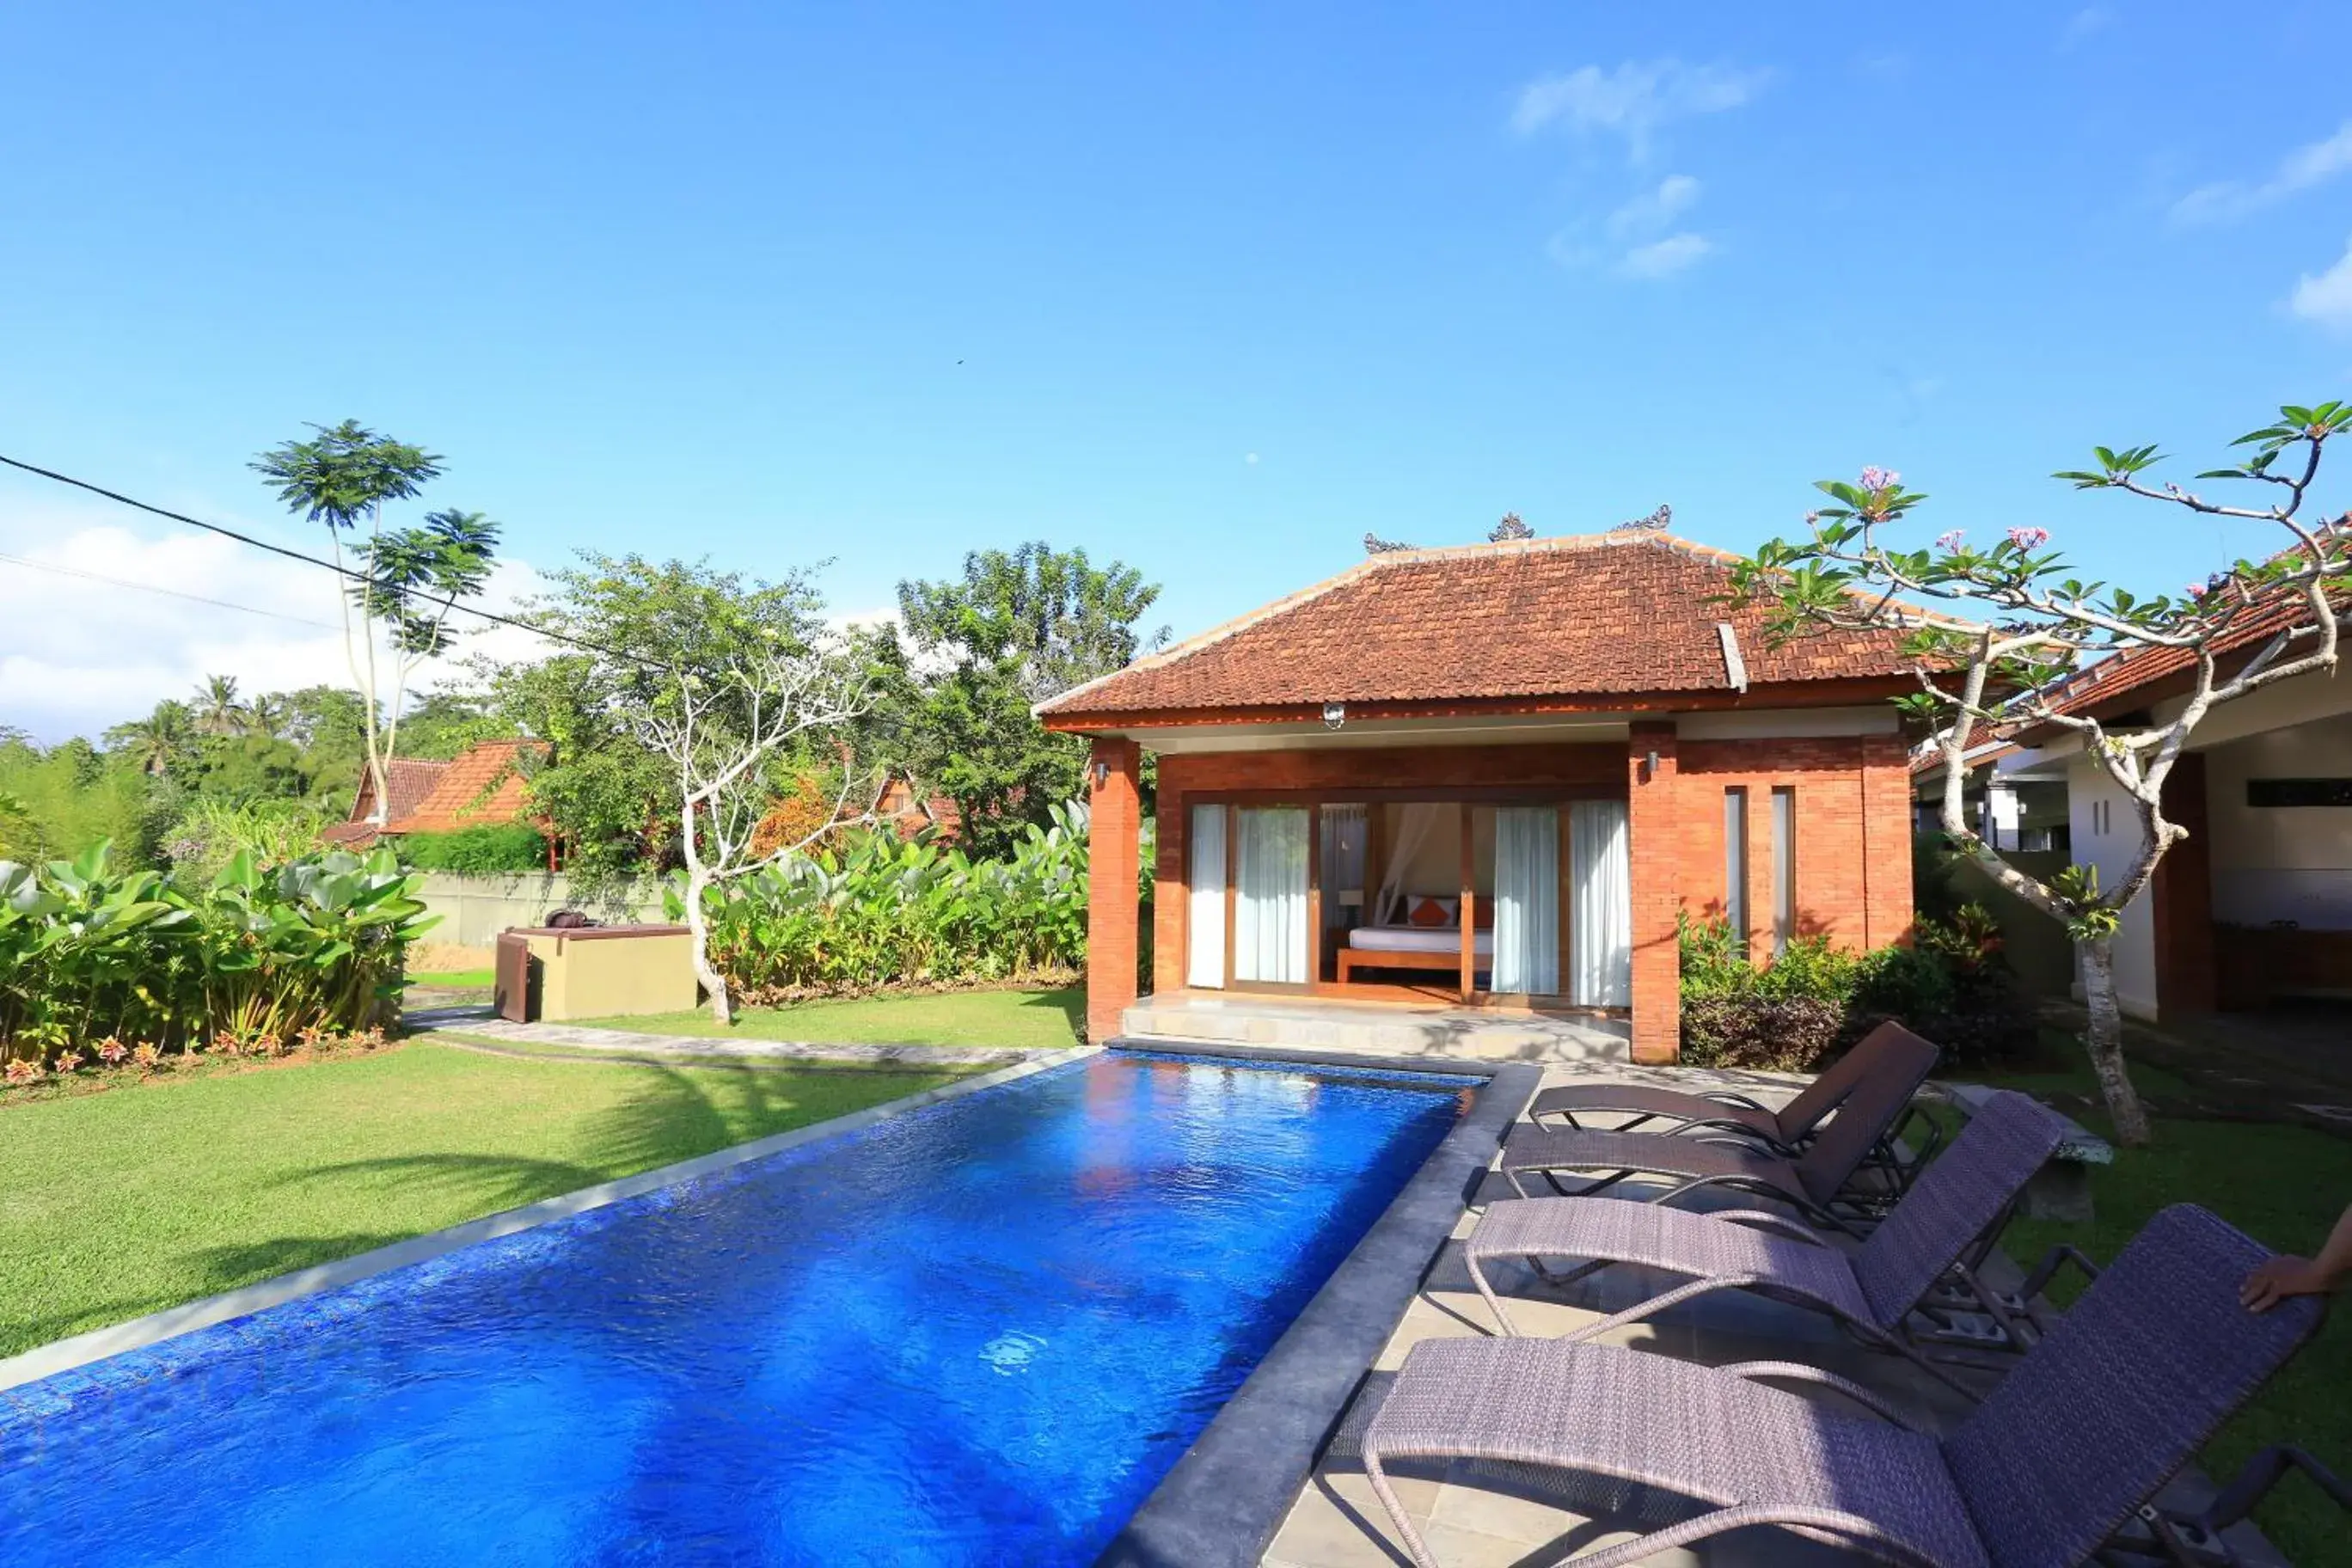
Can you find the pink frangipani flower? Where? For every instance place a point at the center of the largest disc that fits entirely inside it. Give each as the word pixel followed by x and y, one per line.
pixel 2029 538
pixel 1878 479
pixel 1949 541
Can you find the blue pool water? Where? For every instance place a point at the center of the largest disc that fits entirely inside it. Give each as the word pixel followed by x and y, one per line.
pixel 978 1332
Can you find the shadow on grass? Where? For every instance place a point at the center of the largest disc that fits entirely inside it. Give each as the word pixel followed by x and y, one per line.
pixel 1070 1002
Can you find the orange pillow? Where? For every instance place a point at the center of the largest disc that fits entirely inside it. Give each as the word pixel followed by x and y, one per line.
pixel 1430 912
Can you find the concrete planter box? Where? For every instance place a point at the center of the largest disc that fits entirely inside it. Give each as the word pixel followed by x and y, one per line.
pixel 594 972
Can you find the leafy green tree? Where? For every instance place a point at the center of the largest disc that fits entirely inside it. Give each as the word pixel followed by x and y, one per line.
pixel 153 744
pixel 72 795
pixel 721 679
pixel 1999 628
pixel 411 579
pixel 980 652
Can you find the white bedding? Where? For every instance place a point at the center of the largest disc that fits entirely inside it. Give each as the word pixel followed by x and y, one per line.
pixel 1419 939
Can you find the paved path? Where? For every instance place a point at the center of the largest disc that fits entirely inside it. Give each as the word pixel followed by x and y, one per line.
pixel 481 1023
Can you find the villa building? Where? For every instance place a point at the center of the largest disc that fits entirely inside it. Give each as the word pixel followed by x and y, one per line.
pixel 1494 776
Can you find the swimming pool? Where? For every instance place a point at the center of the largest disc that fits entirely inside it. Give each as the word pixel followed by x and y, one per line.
pixel 979 1332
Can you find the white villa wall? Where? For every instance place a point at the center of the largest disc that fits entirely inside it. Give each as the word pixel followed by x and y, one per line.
pixel 2281 863
pixel 2113 852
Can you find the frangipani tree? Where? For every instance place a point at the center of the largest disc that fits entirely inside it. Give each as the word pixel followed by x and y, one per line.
pixel 2003 628
pixel 727 681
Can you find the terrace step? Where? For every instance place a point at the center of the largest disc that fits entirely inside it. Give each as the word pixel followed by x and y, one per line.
pixel 1372 1029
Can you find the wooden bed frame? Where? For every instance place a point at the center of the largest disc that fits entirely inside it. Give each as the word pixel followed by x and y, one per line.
pixel 1351 959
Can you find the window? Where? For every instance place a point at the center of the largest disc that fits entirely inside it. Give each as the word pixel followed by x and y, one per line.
pixel 2298 792
pixel 1734 862
pixel 1784 869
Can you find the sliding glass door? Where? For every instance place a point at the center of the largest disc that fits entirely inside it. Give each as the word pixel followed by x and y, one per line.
pixel 1270 876
pixel 1602 924
pixel 1527 901
pixel 1204 964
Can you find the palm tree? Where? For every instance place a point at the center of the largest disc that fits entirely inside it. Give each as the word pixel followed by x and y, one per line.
pixel 156 741
pixel 269 717
pixel 218 712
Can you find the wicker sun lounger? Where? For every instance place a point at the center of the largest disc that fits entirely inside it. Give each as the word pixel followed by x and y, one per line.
pixel 2085 1429
pixel 1815 1183
pixel 1890 1047
pixel 1962 1197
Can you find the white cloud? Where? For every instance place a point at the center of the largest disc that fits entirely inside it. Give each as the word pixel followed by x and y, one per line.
pixel 1633 100
pixel 1652 210
pixel 1666 256
pixel 77 654
pixel 2298 171
pixel 2326 297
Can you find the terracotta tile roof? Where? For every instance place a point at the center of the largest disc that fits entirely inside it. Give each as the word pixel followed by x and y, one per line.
pixel 412 781
pixel 1593 616
pixel 482 786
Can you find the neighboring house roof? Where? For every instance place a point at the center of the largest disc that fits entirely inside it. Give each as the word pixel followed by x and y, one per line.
pixel 412 781
pixel 482 786
pixel 1518 623
pixel 2123 682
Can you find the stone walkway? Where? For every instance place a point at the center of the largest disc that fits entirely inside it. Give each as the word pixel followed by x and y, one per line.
pixel 481 1023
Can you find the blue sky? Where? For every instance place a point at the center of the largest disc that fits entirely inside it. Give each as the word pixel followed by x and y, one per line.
pixel 1211 290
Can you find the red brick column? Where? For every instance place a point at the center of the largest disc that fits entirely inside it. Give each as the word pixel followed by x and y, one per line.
pixel 1888 912
pixel 2180 897
pixel 1655 828
pixel 1114 846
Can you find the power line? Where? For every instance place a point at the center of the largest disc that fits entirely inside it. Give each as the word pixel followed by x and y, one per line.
pixel 291 555
pixel 167 593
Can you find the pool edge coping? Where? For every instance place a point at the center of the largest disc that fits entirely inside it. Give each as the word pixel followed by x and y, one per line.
pixel 1225 1499
pixel 170 1322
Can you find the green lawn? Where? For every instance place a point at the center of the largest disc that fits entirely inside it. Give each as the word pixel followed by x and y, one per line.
pixel 454 979
pixel 2282 1184
pixel 1027 1020
pixel 119 1203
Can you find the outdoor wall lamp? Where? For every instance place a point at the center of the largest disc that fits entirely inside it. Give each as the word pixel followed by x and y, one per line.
pixel 1334 715
pixel 1102 774
pixel 1652 772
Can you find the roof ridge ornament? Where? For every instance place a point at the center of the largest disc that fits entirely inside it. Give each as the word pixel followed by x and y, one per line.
pixel 1656 522
pixel 1375 545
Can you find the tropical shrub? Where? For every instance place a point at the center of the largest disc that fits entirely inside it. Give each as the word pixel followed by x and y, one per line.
pixel 213 830
pixel 872 910
pixel 1949 983
pixel 485 850
pixel 93 958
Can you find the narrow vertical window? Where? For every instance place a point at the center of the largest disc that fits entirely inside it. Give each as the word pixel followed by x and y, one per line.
pixel 1734 863
pixel 1784 869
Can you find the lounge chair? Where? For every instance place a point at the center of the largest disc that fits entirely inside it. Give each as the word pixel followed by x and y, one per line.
pixel 1962 1198
pixel 2085 1429
pixel 1890 1047
pixel 1817 1182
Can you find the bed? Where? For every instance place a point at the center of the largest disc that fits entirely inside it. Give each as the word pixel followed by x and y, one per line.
pixel 1411 947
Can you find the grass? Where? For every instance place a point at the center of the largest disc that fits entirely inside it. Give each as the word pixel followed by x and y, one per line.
pixel 2283 1184
pixel 454 979
pixel 120 1204
pixel 1028 1020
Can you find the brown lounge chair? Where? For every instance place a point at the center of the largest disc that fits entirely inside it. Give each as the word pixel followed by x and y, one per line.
pixel 1959 1204
pixel 2059 1458
pixel 1819 1182
pixel 1890 1047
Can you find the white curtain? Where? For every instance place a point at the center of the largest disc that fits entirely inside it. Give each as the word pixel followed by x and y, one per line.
pixel 1414 824
pixel 1527 900
pixel 1270 895
pixel 1205 908
pixel 1602 932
